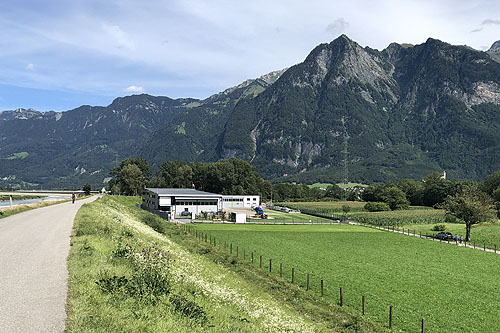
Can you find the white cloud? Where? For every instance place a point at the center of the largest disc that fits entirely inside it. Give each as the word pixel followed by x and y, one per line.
pixel 134 89
pixel 490 21
pixel 30 67
pixel 338 26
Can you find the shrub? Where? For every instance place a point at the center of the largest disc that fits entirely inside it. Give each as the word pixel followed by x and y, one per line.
pixel 188 308
pixel 448 218
pixel 377 206
pixel 154 222
pixel 112 284
pixel 439 227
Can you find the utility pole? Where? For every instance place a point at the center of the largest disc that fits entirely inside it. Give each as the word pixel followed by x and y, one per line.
pixel 345 158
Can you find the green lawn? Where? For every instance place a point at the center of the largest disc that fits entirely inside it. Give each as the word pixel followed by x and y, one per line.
pixel 325 207
pixel 277 217
pixel 454 289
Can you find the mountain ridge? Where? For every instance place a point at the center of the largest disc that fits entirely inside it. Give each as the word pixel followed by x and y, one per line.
pixel 404 111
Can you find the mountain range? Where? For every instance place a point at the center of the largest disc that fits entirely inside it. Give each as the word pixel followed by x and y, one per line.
pixel 346 110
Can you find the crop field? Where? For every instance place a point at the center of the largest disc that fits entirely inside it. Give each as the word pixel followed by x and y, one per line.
pixel 453 288
pixel 326 207
pixel 412 215
pixel 401 217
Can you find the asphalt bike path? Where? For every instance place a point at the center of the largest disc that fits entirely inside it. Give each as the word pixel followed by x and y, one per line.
pixel 34 247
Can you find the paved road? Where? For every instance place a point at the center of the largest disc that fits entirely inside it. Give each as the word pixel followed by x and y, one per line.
pixel 34 246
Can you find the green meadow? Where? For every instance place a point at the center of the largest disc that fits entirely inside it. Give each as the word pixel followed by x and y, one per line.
pixel 453 288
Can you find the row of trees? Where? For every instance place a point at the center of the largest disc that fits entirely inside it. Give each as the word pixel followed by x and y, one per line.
pixel 231 176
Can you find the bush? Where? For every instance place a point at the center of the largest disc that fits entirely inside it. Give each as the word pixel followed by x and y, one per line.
pixel 448 218
pixel 377 207
pixel 439 227
pixel 154 222
pixel 188 308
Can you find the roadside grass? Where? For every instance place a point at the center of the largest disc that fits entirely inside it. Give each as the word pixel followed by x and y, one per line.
pixel 453 288
pixel 23 208
pixel 484 234
pixel 206 290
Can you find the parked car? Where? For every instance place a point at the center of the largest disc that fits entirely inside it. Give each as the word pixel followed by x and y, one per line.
pixel 444 235
pixel 185 213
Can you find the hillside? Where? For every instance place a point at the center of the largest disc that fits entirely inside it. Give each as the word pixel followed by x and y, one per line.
pixel 404 112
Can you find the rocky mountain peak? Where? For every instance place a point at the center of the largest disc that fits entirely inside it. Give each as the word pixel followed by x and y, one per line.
pixel 495 47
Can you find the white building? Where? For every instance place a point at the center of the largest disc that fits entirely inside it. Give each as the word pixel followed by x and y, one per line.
pixel 178 202
pixel 240 201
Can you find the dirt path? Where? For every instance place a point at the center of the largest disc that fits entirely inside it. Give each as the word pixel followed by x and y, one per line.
pixel 34 246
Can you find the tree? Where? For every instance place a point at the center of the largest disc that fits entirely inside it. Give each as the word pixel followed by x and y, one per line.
pixel 394 197
pixel 471 206
pixel 87 188
pixel 133 180
pixel 491 183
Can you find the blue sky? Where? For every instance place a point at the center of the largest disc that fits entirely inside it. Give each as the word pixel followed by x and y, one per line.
pixel 60 54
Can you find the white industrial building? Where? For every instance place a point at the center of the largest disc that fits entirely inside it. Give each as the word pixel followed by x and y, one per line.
pixel 240 201
pixel 179 202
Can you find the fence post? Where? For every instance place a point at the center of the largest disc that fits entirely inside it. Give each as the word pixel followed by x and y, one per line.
pixel 322 290
pixel 363 300
pixel 341 297
pixel 260 261
pixel 215 243
pixel 390 317
pixel 307 282
pixel 237 251
pixel 484 247
pixel 495 248
pixel 474 244
pixel 281 270
pixel 231 248
pixel 252 257
pixel 423 325
pixel 244 254
pixel 270 265
pixel 293 274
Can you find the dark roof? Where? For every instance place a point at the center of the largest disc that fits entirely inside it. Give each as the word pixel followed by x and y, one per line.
pixel 180 192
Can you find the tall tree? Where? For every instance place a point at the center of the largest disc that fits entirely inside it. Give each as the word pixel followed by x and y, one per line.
pixel 132 180
pixel 471 206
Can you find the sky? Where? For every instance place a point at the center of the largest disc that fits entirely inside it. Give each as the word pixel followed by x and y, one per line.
pixel 60 54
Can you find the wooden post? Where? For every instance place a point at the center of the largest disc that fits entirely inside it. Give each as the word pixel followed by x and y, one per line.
pixel 495 248
pixel 270 265
pixel 420 234
pixel 363 301
pixel 390 317
pixel 215 243
pixel 423 325
pixel 322 289
pixel 244 254
pixel 260 261
pixel 281 270
pixel 341 297
pixel 252 257
pixel 231 248
pixel 206 238
pixel 484 247
pixel 474 244
pixel 293 274
pixel 10 200
pixel 307 282
pixel 237 251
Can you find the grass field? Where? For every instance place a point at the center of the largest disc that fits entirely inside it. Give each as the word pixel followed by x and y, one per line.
pixel 277 217
pixel 454 289
pixel 117 283
pixel 481 234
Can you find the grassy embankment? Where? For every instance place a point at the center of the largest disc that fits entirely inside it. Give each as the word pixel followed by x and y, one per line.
pixel 18 197
pixel 23 208
pixel 115 274
pixel 453 288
